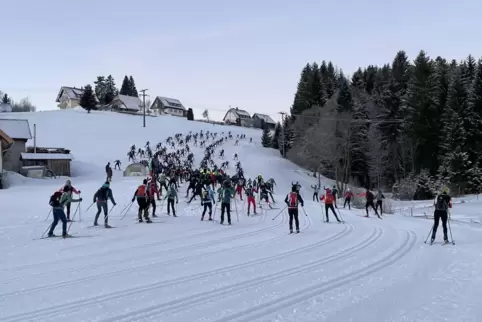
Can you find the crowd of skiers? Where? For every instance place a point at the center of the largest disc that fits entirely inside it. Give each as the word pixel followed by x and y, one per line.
pixel 168 170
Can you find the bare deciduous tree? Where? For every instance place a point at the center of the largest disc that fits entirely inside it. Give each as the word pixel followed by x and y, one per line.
pixel 377 155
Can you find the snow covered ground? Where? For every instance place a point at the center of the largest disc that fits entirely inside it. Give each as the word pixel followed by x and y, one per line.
pixel 183 270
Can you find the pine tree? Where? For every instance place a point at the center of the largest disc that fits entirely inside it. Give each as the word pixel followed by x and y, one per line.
pixel 110 90
pixel 6 99
pixel 275 144
pixel 100 89
pixel 132 87
pixel 266 137
pixel 190 114
pixel 126 87
pixel 303 96
pixel 87 100
pixel 344 98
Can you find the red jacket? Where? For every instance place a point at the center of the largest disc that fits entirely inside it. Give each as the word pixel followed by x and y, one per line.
pixel 152 190
pixel 72 187
pixel 329 199
pixel 349 194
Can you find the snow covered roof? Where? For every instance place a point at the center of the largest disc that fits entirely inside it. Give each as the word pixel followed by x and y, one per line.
pixel 16 129
pixel 265 118
pixel 5 108
pixel 240 111
pixel 72 93
pixel 46 156
pixel 171 102
pixel 130 102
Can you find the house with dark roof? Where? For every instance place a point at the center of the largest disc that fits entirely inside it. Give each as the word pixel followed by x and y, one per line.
pixel 166 105
pixel 238 116
pixel 261 120
pixel 69 97
pixel 5 143
pixel 125 103
pixel 19 132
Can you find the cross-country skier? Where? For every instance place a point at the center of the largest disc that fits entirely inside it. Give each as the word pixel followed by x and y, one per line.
pixel 379 197
pixel 117 164
pixel 207 202
pixel 292 200
pixel 197 191
pixel 369 202
pixel 57 201
pixel 442 204
pixel 162 181
pixel 334 192
pixel 171 195
pixel 141 195
pixel 69 188
pixel 101 197
pixel 316 190
pixel 329 199
pixel 152 192
pixel 108 172
pixel 250 191
pixel 348 197
pixel 226 194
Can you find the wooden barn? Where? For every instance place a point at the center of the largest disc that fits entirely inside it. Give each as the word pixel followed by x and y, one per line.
pixel 56 160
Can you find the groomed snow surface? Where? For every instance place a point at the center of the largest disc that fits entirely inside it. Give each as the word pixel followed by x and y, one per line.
pixel 184 270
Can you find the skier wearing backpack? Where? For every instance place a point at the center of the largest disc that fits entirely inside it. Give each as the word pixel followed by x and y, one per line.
pixel 171 195
pixel 292 200
pixel 57 201
pixel 142 200
pixel 207 201
pixel 329 198
pixel 250 191
pixel 442 204
pixel 101 197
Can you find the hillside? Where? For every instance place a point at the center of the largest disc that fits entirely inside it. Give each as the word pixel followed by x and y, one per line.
pixel 181 269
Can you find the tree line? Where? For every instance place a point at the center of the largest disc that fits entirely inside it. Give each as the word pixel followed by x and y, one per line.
pixel 24 105
pixel 414 127
pixel 105 90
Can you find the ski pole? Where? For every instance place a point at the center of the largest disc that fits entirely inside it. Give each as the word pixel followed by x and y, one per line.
pixel 48 228
pixel 73 217
pixel 48 214
pixel 236 208
pixel 127 210
pixel 90 206
pixel 303 208
pixel 339 215
pixel 108 214
pixel 80 211
pixel 431 229
pixel 279 213
pixel 450 230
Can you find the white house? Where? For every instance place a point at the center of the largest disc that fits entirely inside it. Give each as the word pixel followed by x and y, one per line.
pixel 126 103
pixel 237 116
pixel 168 105
pixel 69 97
pixel 5 108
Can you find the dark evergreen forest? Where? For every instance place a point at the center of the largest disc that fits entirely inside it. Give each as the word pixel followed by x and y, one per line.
pixel 408 126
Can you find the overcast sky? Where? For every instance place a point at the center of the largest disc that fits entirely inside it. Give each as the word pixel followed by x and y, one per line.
pixel 216 53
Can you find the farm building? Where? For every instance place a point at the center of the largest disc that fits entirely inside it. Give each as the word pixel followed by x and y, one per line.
pixel 46 162
pixel 19 131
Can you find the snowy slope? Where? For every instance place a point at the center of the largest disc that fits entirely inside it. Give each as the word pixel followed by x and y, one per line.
pixel 181 269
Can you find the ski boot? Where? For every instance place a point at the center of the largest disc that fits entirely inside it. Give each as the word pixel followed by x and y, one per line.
pixel 107 226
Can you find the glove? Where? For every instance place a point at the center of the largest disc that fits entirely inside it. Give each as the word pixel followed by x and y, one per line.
pixel 80 199
pixel 202 204
pixel 80 191
pixel 115 204
pixel 133 199
pixel 93 201
pixel 302 205
pixel 177 201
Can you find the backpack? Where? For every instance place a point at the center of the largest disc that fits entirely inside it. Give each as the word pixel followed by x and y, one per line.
pixel 293 199
pixel 441 204
pixel 55 197
pixel 141 191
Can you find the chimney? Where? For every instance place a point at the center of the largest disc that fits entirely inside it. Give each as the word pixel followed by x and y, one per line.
pixel 237 108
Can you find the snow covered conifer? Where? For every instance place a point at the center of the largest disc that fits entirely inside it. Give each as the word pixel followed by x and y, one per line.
pixel 87 100
pixel 275 144
pixel 100 89
pixel 132 87
pixel 125 88
pixel 110 90
pixel 266 137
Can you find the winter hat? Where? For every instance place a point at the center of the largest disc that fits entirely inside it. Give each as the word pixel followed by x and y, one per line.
pixel 144 181
pixel 68 183
pixel 293 189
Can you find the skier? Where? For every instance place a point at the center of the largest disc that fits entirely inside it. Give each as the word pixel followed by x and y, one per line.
pixel 348 197
pixel 316 190
pixel 101 197
pixel 108 172
pixel 226 194
pixel 250 191
pixel 369 202
pixel 379 197
pixel 442 204
pixel 69 188
pixel 171 195
pixel 141 195
pixel 334 192
pixel 152 192
pixel 197 192
pixel 57 201
pixel 329 200
pixel 162 182
pixel 292 200
pixel 117 164
pixel 207 201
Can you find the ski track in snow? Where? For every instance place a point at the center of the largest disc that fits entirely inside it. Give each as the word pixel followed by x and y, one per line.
pixel 183 269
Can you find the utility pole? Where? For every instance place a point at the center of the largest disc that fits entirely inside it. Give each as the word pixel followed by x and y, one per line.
pixel 144 104
pixel 283 132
